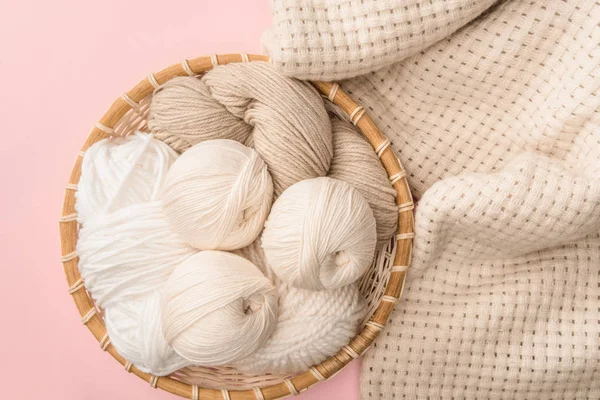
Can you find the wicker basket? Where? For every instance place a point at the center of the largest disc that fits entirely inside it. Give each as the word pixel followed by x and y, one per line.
pixel 382 286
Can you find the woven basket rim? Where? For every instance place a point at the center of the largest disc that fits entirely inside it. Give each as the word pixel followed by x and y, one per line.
pixel 358 345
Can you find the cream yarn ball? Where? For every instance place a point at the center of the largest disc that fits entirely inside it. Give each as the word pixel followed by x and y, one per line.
pixel 118 172
pixel 217 195
pixel 320 235
pixel 311 327
pixel 217 308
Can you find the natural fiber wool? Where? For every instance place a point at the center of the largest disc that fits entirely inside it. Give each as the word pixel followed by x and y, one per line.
pixel 217 195
pixel 311 326
pixel 125 246
pixel 117 172
pixel 355 162
pixel 497 126
pixel 320 235
pixel 284 120
pixel 217 308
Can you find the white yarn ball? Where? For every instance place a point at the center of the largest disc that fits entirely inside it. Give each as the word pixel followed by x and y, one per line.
pixel 218 195
pixel 311 327
pixel 217 308
pixel 320 234
pixel 134 328
pixel 118 172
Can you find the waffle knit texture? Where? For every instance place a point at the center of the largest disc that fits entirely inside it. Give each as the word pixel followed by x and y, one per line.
pixel 494 110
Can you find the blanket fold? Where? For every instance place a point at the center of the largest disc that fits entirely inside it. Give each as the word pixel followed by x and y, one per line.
pixel 494 110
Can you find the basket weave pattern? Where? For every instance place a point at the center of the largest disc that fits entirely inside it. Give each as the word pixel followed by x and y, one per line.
pixel 127 114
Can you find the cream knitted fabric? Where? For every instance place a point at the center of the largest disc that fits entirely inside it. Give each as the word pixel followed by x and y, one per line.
pixel 498 126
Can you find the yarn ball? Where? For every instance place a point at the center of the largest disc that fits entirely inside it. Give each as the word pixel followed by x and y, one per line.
pixel 217 195
pixel 118 172
pixel 320 235
pixel 355 162
pixel 283 119
pixel 311 327
pixel 217 308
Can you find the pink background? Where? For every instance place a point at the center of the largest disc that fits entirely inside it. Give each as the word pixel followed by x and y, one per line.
pixel 62 63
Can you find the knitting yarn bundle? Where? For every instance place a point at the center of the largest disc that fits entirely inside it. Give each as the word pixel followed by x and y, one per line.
pixel 217 195
pixel 188 254
pixel 126 250
pixel 320 234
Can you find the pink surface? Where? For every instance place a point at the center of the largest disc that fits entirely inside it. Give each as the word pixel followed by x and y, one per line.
pixel 62 63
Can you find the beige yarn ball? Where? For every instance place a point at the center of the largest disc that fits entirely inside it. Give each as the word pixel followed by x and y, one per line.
pixel 217 195
pixel 320 235
pixel 283 119
pixel 355 162
pixel 217 308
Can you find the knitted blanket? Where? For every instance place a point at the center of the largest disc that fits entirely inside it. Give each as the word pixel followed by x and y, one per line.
pixel 494 109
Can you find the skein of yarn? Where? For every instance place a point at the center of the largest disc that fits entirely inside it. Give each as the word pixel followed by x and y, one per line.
pixel 355 162
pixel 311 326
pixel 217 308
pixel 283 119
pixel 217 195
pixel 125 246
pixel 118 172
pixel 320 235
